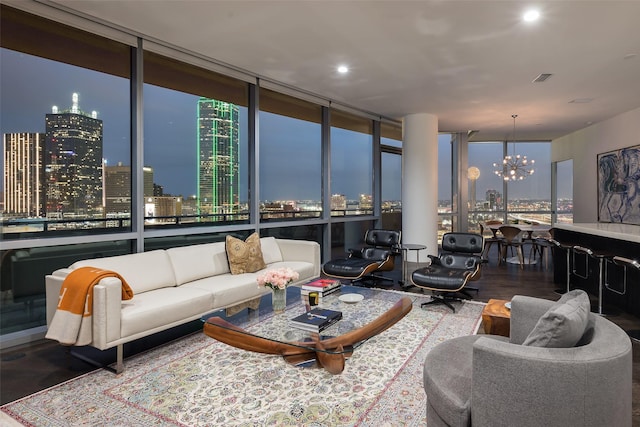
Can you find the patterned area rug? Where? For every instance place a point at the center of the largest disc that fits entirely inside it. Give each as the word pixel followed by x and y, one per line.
pixel 197 381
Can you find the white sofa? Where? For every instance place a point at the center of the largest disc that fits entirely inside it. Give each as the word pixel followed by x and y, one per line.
pixel 175 286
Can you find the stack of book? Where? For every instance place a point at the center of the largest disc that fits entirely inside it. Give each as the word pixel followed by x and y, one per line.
pixel 316 320
pixel 322 286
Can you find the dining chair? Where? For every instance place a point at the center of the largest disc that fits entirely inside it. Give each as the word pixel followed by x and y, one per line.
pixel 512 239
pixel 542 245
pixel 492 239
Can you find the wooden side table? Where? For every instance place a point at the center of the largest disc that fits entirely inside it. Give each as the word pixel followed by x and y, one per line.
pixel 496 318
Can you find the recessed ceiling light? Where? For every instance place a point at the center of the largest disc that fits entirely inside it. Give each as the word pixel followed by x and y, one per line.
pixel 343 69
pixel 531 15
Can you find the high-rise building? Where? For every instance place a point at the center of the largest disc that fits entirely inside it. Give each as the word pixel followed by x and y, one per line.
pixel 117 189
pixel 23 174
pixel 147 177
pixel 162 209
pixel 73 162
pixel 218 157
pixel 338 202
pixel 494 198
pixel 158 190
pixel 366 201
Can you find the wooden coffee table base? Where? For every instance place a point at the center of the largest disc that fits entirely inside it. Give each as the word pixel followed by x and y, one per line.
pixel 329 353
pixel 496 318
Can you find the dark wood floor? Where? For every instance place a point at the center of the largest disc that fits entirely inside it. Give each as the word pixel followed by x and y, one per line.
pixel 36 366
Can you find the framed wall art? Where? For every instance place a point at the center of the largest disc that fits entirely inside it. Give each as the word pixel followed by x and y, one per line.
pixel 619 186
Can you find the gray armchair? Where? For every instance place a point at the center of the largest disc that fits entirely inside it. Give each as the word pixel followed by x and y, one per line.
pixel 485 380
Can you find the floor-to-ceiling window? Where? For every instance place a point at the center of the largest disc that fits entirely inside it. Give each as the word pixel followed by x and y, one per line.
pixel 351 179
pixel 290 143
pixel 351 164
pixel 447 183
pixel 195 145
pixel 564 192
pixel 485 192
pixel 66 163
pixel 529 199
pixel 66 130
pixel 391 182
pixel 491 196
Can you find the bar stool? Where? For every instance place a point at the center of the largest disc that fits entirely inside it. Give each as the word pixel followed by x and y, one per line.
pixel 601 257
pixel 626 264
pixel 567 249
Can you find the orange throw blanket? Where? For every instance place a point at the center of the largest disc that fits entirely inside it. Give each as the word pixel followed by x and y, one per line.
pixel 71 323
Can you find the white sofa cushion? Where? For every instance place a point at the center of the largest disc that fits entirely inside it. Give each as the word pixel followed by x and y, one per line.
pixel 161 307
pixel 270 250
pixel 198 261
pixel 229 289
pixel 143 271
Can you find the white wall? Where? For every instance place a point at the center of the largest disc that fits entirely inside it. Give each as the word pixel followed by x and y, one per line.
pixel 583 147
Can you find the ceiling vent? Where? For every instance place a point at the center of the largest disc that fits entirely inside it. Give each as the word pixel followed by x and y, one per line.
pixel 581 101
pixel 542 77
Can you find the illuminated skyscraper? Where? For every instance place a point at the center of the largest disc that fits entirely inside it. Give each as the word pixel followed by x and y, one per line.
pixel 117 185
pixel 366 201
pixel 147 176
pixel 218 157
pixel 117 189
pixel 73 162
pixel 23 195
pixel 494 198
pixel 338 202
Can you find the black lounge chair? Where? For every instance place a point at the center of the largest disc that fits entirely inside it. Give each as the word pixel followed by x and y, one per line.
pixel 448 274
pixel 361 264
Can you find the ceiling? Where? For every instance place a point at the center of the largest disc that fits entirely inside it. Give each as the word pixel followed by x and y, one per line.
pixel 470 63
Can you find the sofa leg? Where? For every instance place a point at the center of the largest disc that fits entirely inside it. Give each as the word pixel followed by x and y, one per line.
pixel 119 359
pixel 119 368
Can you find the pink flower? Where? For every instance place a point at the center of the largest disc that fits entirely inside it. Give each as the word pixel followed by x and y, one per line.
pixel 278 278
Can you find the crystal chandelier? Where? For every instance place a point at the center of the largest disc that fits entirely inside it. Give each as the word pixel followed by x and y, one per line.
pixel 515 167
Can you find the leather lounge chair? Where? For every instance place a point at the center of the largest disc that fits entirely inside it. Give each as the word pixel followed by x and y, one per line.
pixel 362 264
pixel 459 263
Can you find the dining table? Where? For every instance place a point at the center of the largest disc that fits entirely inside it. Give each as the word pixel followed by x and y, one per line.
pixel 529 229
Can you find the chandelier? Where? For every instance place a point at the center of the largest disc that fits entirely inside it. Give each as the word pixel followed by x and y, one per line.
pixel 515 167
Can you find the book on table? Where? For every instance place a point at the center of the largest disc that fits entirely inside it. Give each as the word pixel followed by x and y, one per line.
pixel 316 320
pixel 321 285
pixel 321 293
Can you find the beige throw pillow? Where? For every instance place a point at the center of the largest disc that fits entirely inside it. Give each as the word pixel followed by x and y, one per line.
pixel 244 256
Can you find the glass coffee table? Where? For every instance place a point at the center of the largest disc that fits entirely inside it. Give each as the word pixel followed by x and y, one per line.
pixel 261 330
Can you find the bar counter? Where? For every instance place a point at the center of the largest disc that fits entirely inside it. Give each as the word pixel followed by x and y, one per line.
pixel 628 232
pixel 613 239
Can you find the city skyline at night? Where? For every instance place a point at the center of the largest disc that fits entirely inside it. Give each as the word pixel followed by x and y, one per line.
pixel 171 125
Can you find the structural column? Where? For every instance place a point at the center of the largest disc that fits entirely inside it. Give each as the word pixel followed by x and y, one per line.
pixel 420 183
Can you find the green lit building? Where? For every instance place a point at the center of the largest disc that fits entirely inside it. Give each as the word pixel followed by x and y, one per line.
pixel 218 142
